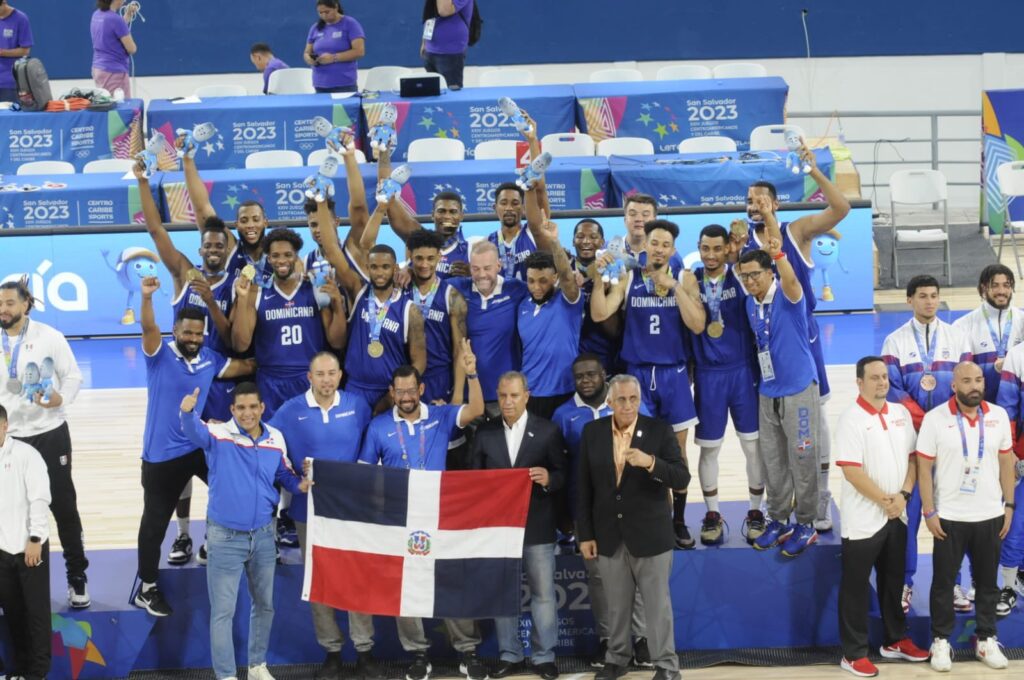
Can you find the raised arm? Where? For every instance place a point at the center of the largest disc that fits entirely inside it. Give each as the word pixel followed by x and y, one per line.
pixel 547 239
pixel 243 313
pixel 688 300
pixel 541 187
pixel 176 262
pixel 808 227
pixel 457 318
pixel 349 280
pixel 368 239
pixel 199 196
pixel 475 408
pixel 358 208
pixel 217 316
pixel 334 318
pixel 606 300
pixel 150 331
pixel 417 338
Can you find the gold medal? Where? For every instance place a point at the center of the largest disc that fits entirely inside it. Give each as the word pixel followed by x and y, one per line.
pixel 375 349
pixel 999 365
pixel 661 291
pixel 715 329
pixel 928 382
pixel 194 275
pixel 249 272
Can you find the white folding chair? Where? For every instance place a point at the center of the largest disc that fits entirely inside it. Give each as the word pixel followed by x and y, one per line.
pixel 919 187
pixel 568 144
pixel 495 148
pixel 221 90
pixel 1011 187
pixel 683 72
pixel 278 158
pixel 46 168
pixel 398 80
pixel 616 75
pixel 506 77
pixel 383 78
pixel 709 144
pixel 317 157
pixel 436 149
pixel 772 137
pixel 291 81
pixel 121 165
pixel 625 146
pixel 739 71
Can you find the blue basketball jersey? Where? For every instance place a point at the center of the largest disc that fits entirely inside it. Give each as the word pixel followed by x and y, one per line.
pixel 801 267
pixel 654 332
pixel 239 258
pixel 550 335
pixel 454 250
pixel 361 369
pixel 289 331
pixel 734 345
pixel 316 258
pixel 437 325
pixel 592 335
pixel 512 257
pixel 187 297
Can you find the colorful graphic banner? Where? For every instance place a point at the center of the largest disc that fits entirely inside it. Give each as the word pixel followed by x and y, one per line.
pixel 1002 137
pixel 71 200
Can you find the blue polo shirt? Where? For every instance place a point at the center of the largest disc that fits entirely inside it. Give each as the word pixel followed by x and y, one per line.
pixel 394 442
pixel 310 431
pixel 169 377
pixel 550 333
pixel 780 326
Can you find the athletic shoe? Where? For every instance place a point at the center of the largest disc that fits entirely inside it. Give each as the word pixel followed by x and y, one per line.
pixel 471 666
pixel 1007 601
pixel 908 595
pixel 641 654
pixel 259 673
pixel 78 593
pixel 942 656
pixel 181 551
pixel 753 526
pixel 420 667
pixel 905 649
pixel 823 520
pixel 988 653
pixel 1018 585
pixel 862 668
pixel 666 674
pixel 330 669
pixel 803 536
pixel 287 536
pixel 683 540
pixel 960 601
pixel 610 671
pixel 547 670
pixel 602 650
pixel 775 533
pixel 366 667
pixel 712 529
pixel 153 601
pixel 201 556
pixel 970 593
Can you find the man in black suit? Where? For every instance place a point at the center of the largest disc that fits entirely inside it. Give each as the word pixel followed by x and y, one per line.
pixel 522 440
pixel 628 465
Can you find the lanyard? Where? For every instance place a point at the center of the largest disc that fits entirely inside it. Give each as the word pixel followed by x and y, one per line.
pixel 927 357
pixel 713 292
pixel 963 433
pixel 264 278
pixel 399 426
pixel 378 312
pixel 424 301
pixel 762 322
pixel 1000 342
pixel 508 255
pixel 453 240
pixel 11 355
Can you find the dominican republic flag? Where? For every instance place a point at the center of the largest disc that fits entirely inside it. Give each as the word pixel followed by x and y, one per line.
pixel 416 543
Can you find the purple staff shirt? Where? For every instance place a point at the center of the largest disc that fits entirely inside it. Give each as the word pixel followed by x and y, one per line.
pixel 273 65
pixel 335 38
pixel 108 53
pixel 451 34
pixel 15 32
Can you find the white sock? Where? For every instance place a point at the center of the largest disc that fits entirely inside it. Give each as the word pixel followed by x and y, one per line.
pixel 146 587
pixel 183 524
pixel 711 502
pixel 755 500
pixel 1009 575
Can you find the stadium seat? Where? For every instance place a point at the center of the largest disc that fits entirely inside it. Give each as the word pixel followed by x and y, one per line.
pixel 220 91
pixel 772 137
pixel 625 146
pixel 709 144
pixel 739 71
pixel 291 81
pixel 317 157
pixel 383 78
pixel 277 158
pixel 919 187
pixel 683 72
pixel 506 77
pixel 121 165
pixel 436 149
pixel 568 144
pixel 46 168
pixel 616 75
pixel 495 148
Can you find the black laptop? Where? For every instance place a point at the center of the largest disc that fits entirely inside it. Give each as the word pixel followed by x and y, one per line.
pixel 419 86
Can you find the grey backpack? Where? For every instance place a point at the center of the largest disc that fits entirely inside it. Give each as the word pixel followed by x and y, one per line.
pixel 33 84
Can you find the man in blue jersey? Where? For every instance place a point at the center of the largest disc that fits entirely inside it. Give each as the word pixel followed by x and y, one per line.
pixel 416 435
pixel 662 309
pixel 328 423
pixel 725 383
pixel 169 460
pixel 636 213
pixel 513 240
pixel 797 237
pixel 283 323
pixel 447 213
pixel 603 339
pixel 789 402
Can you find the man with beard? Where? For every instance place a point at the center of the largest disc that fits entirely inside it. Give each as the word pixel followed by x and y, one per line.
pixel 416 435
pixel 994 327
pixel 725 381
pixel 797 237
pixel 638 211
pixel 41 421
pixel 283 323
pixel 662 309
pixel 968 506
pixel 169 459
pixel 603 339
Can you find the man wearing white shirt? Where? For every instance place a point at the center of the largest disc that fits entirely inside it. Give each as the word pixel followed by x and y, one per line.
pixel 966 444
pixel 874 445
pixel 41 377
pixel 24 554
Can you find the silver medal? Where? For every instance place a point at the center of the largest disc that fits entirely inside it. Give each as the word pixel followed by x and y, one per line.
pixel 14 386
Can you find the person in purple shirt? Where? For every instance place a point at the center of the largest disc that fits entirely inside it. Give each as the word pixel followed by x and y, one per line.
pixel 112 46
pixel 333 48
pixel 15 41
pixel 446 38
pixel 263 59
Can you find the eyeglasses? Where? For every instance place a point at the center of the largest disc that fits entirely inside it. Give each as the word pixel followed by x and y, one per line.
pixel 752 275
pixel 407 392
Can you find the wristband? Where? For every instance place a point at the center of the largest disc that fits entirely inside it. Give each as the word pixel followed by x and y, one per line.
pixel 905 494
pixel 780 256
pixel 929 515
pixel 1011 506
pixel 471 376
pixel 35 539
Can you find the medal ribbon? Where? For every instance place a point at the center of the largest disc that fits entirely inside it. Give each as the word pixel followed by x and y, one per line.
pixel 963 434
pixel 713 293
pixel 508 256
pixel 927 358
pixel 378 312
pixel 761 323
pixel 424 301
pixel 11 354
pixel 399 426
pixel 1003 341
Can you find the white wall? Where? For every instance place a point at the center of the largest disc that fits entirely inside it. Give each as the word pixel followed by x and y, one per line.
pixel 918 84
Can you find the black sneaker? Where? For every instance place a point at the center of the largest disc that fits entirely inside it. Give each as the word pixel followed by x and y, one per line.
pixel 153 602
pixel 602 651
pixel 78 593
pixel 366 667
pixel 471 666
pixel 287 535
pixel 181 551
pixel 201 555
pixel 683 540
pixel 641 654
pixel 420 667
pixel 665 674
pixel 1007 601
pixel 330 669
pixel 610 672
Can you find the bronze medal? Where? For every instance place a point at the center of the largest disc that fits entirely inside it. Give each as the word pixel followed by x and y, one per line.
pixel 715 329
pixel 928 382
pixel 375 349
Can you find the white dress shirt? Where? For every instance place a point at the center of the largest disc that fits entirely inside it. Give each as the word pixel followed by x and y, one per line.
pixel 514 436
pixel 24 496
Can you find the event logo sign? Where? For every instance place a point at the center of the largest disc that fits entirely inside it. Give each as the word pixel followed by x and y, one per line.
pixel 82 138
pixel 1002 127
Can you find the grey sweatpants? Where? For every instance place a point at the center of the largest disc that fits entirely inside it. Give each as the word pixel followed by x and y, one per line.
pixel 789 436
pixel 599 604
pixel 464 634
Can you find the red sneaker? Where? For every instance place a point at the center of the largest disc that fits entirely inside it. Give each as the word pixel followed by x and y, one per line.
pixel 862 668
pixel 904 649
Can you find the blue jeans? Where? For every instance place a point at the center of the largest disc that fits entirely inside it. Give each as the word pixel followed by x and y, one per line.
pixel 229 552
pixel 448 65
pixel 539 563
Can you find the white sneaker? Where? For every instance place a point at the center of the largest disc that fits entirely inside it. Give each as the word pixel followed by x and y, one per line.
pixel 960 601
pixel 823 520
pixel 908 595
pixel 972 591
pixel 988 653
pixel 260 673
pixel 1018 583
pixel 942 656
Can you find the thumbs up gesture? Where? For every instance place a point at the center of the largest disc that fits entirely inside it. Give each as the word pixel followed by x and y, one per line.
pixel 189 402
